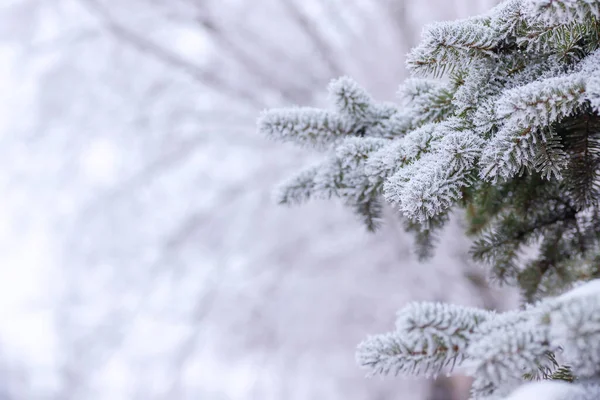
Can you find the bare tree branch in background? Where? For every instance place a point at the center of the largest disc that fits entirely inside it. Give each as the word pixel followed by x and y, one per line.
pixel 206 77
pixel 325 51
pixel 263 71
pixel 405 27
pixel 272 53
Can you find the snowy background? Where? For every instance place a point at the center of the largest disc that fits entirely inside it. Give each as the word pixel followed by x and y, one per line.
pixel 142 256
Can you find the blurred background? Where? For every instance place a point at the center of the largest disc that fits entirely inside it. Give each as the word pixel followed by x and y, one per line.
pixel 142 255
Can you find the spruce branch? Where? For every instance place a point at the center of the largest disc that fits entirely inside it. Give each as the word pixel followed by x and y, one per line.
pixel 510 151
pixel 575 325
pixel 563 373
pixel 350 99
pixel 543 102
pixel 299 188
pixel 414 89
pixel 445 156
pixel 426 187
pixel 462 149
pixel 354 152
pixel 554 390
pixel 507 354
pixel 434 105
pixel 399 354
pixel 439 321
pixel 581 140
pixel 388 122
pixel 508 19
pixel 512 136
pixel 562 11
pixel 384 162
pixel 482 389
pixel 447 46
pixel 305 126
pixel 425 235
pixel 422 140
pixel 590 67
pixel 550 159
pixel 369 212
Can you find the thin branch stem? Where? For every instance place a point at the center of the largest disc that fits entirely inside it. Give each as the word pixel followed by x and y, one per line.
pixel 205 76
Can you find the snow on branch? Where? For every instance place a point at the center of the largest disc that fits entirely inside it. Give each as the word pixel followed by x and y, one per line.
pixel 507 354
pixel 428 100
pixel 429 338
pixel 440 322
pixel 304 125
pixel 575 324
pixel 500 350
pixel 449 45
pixel 590 68
pixel 433 182
pixel 508 19
pixel 562 11
pixel 552 390
pixel 298 188
pixel 510 135
pixel 350 99
pixel 355 151
pixel 393 353
pixel 541 103
pixel 386 161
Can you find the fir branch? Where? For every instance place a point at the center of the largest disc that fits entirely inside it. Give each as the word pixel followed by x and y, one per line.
pixel 562 11
pixel 413 89
pixel 484 80
pixel 552 252
pixel 426 187
pixel 422 140
pixel 299 188
pixel 575 325
pixel 550 159
pixel 388 122
pixel 507 353
pixel 425 235
pixel 553 390
pixel 581 138
pixel 444 161
pixel 386 161
pixel 434 105
pixel 353 152
pixel 439 321
pixel 350 99
pixel 508 19
pixel 398 354
pixel 305 126
pixel 330 179
pixel 500 245
pixel 510 151
pixel 370 212
pixel 514 137
pixel 462 149
pixel 563 373
pixel 482 389
pixel 487 201
pixel 449 45
pixel 543 102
